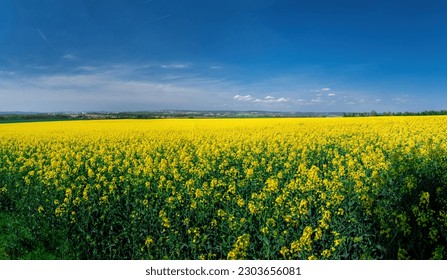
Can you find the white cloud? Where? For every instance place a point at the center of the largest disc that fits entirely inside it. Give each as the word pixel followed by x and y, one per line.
pixel 282 99
pixel 331 94
pixel 7 73
pixel 320 90
pixel 69 57
pixel 37 67
pixel 243 97
pixel 87 68
pixel 267 100
pixel 402 100
pixel 174 66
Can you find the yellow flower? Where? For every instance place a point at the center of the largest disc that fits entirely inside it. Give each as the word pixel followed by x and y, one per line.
pixel 58 212
pixel 193 204
pixel 249 172
pixel 284 251
pixel 164 219
pixel 213 223
pixel 239 247
pixel 303 207
pixel 252 208
pixel 318 234
pixel 326 253
pixel 337 242
pixel 240 202
pixel 149 241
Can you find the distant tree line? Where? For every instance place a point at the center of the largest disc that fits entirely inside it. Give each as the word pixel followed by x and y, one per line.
pixel 32 117
pixel 374 113
pixel 28 117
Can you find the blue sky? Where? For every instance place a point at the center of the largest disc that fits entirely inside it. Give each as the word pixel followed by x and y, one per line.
pixel 285 55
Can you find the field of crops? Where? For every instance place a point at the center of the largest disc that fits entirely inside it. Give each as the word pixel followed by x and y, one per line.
pixel 317 188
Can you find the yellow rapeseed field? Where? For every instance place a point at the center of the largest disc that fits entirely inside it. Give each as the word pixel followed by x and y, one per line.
pixel 298 188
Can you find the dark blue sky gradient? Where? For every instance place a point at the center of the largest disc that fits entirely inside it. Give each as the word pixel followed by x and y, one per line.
pixel 243 55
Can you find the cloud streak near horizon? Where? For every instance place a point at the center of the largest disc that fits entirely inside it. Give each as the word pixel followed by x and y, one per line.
pixel 124 88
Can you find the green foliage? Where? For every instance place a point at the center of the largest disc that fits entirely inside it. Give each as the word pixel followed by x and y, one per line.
pixel 417 197
pixel 18 241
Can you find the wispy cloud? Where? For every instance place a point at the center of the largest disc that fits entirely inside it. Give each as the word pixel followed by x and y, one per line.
pixel 247 97
pixel 271 99
pixel 44 37
pixel 174 66
pixel 7 73
pixel 36 67
pixel 215 67
pixel 160 18
pixel 116 88
pixel 86 68
pixel 401 100
pixel 69 56
pixel 266 100
pixel 124 87
pixel 321 89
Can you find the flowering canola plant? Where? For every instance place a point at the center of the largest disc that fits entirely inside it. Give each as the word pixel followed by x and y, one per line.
pixel 316 188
